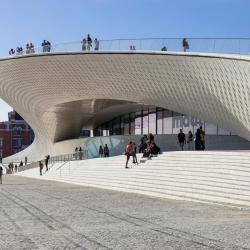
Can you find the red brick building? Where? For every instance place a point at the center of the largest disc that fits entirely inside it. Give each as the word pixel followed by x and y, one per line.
pixel 15 135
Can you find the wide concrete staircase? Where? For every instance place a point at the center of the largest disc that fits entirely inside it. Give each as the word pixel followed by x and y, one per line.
pixel 221 177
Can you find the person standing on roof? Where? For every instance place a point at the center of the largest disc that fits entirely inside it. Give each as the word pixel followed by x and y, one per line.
pixel 185 44
pixel 89 42
pixel 83 42
pixel 97 43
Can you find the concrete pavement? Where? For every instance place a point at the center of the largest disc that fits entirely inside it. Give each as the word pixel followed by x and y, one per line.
pixel 37 214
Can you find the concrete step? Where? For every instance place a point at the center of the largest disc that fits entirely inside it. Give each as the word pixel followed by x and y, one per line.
pixel 220 177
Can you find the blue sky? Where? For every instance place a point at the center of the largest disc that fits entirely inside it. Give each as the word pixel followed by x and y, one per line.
pixel 23 21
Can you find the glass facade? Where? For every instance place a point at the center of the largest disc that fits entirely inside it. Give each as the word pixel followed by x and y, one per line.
pixel 156 121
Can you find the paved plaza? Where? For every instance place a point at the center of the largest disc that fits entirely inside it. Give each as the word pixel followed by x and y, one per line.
pixel 37 214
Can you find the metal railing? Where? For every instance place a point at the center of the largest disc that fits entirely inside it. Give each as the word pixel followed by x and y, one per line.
pixel 201 45
pixel 80 155
pixel 77 156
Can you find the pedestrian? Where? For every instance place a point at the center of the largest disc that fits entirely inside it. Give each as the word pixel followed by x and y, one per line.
pixel 76 153
pixel 1 174
pixel 89 42
pixel 47 157
pixel 12 52
pixel 190 140
pixel 106 151
pixel 132 47
pixel 27 48
pixel 164 48
pixel 134 153
pixel 83 42
pixel 128 152
pixel 100 151
pixel 198 139
pixel 48 46
pixel 26 160
pixel 16 167
pixel 19 50
pixel 44 45
pixel 41 167
pixel 185 44
pixel 155 150
pixel 181 139
pixel 202 138
pixel 32 50
pixel 97 44
pixel 80 153
pixel 151 138
pixel 143 144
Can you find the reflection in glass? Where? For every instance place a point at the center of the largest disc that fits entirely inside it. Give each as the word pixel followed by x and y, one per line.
pixel 132 123
pixel 210 129
pixel 145 122
pixel 117 126
pixel 152 122
pixel 125 124
pixel 167 122
pixel 222 131
pixel 159 122
pixel 138 123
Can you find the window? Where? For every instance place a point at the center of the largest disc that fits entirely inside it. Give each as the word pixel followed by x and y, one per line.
pixel 138 123
pixel 210 129
pixel 152 121
pixel 132 124
pixel 17 131
pixel 159 122
pixel 167 122
pixel 222 131
pixel 125 124
pixel 16 142
pixel 97 131
pixel 110 128
pixel 85 133
pixel 117 126
pixel 145 122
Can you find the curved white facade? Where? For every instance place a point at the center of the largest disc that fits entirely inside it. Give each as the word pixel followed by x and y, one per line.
pixel 58 94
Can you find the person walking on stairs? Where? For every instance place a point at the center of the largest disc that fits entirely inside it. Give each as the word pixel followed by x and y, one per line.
pixel 129 152
pixel 202 138
pixel 1 175
pixel 190 140
pixel 47 157
pixel 41 167
pixel 134 153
